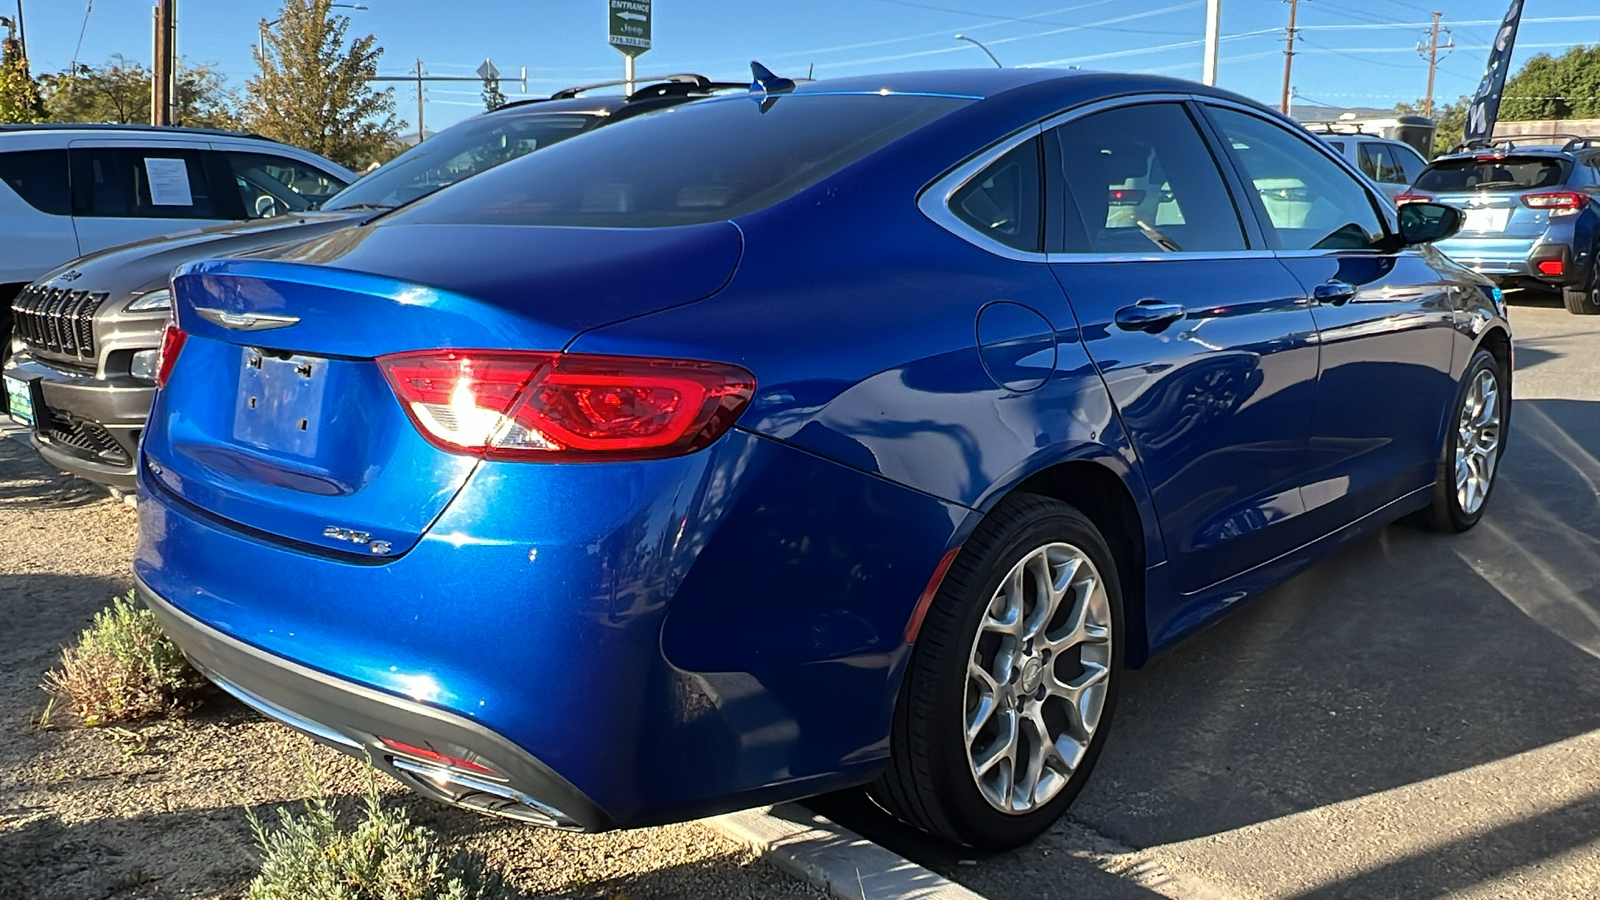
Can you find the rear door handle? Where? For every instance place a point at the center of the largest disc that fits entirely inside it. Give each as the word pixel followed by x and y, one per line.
pixel 1336 293
pixel 1149 315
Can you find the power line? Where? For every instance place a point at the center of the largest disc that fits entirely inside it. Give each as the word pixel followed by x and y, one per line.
pixel 81 32
pixel 1031 20
pixel 1024 37
pixel 1337 52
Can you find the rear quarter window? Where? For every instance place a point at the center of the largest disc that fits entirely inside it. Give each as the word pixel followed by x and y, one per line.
pixel 704 161
pixel 39 177
pixel 1499 174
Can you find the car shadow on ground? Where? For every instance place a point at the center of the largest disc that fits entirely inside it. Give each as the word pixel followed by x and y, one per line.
pixel 1408 656
pixel 26 479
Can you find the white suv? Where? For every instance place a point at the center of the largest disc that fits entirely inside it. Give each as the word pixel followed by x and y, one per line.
pixel 69 190
pixel 1392 165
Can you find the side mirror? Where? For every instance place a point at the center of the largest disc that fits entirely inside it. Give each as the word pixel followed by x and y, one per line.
pixel 1424 223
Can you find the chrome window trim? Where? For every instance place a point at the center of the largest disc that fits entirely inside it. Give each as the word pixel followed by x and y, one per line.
pixel 934 201
pixel 1181 256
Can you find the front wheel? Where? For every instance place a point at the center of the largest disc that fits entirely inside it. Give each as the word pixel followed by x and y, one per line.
pixel 1471 458
pixel 1012 683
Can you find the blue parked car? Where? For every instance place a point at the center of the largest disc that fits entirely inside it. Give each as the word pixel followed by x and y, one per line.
pixel 859 432
pixel 1532 213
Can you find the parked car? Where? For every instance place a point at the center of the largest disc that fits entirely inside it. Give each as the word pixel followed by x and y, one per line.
pixel 865 443
pixel 1533 213
pixel 69 190
pixel 88 332
pixel 1392 165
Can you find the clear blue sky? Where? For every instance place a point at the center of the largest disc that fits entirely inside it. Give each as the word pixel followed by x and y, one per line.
pixel 1356 52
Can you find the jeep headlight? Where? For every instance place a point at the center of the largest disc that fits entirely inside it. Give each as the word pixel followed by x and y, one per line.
pixel 159 299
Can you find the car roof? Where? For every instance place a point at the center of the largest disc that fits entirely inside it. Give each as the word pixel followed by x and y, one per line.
pixel 119 128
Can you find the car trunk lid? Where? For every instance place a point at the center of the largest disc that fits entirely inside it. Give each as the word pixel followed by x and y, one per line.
pixel 277 418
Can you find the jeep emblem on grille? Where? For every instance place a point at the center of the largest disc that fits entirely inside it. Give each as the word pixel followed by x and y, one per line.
pixel 70 275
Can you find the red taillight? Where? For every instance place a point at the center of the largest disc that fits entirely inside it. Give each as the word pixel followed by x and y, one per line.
pixel 1412 198
pixel 555 407
pixel 1127 195
pixel 1552 267
pixel 171 344
pixel 1558 202
pixel 434 756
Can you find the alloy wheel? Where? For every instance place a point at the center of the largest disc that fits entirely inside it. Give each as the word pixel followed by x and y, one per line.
pixel 1478 442
pixel 1037 678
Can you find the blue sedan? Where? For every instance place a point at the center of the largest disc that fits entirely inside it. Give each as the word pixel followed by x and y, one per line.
pixel 857 432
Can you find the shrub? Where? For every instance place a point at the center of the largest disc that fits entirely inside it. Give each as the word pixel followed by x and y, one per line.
pixel 385 857
pixel 123 668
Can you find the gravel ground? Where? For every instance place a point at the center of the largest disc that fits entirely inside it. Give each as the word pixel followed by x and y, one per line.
pixel 157 810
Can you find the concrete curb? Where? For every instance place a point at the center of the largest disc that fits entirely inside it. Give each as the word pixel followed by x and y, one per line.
pixel 835 859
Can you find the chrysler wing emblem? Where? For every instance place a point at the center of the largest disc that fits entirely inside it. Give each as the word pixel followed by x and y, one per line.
pixel 245 321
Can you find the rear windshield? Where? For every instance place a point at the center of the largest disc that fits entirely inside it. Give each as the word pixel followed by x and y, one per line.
pixel 1511 173
pixel 700 162
pixel 466 149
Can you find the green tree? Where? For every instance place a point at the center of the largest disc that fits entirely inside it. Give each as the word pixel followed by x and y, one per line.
pixel 493 98
pixel 1451 119
pixel 1555 87
pixel 314 90
pixel 119 91
pixel 19 93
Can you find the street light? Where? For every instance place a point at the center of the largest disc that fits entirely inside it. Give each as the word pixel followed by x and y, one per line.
pixel 261 42
pixel 962 37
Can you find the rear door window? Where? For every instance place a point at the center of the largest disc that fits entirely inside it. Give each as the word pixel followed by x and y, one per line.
pixel 1002 201
pixel 1310 201
pixel 143 183
pixel 40 178
pixel 272 185
pixel 1140 179
pixel 1379 164
pixel 1494 173
pixel 1411 162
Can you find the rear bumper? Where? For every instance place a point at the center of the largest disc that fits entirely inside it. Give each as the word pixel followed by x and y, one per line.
pixel 629 643
pixel 351 718
pixel 1515 261
pixel 90 426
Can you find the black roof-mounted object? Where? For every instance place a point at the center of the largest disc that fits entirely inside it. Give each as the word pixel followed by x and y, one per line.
pixel 766 87
pixel 686 78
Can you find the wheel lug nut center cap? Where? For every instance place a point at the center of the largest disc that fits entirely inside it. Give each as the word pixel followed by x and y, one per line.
pixel 1032 676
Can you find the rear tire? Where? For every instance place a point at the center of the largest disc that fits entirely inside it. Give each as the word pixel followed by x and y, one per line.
pixel 1012 683
pixel 1471 459
pixel 1585 300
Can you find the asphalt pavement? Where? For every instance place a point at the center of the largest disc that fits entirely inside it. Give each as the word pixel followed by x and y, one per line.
pixel 1417 716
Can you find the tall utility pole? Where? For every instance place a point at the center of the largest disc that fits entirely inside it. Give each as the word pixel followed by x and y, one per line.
pixel 1213 41
pixel 1288 55
pixel 1432 50
pixel 22 32
pixel 420 135
pixel 163 108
